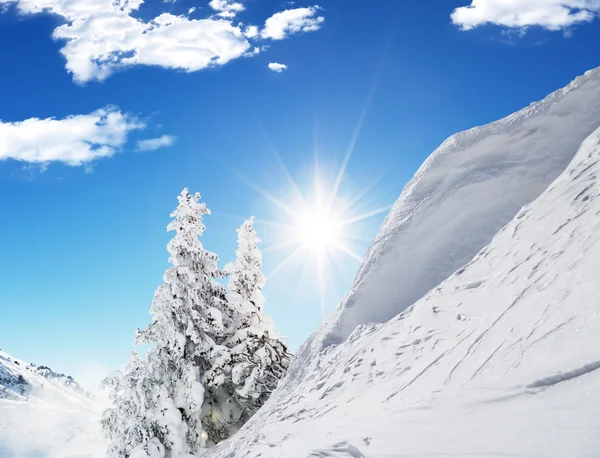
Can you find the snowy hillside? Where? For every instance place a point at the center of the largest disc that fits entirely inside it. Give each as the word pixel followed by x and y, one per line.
pixel 468 189
pixel 44 413
pixel 500 359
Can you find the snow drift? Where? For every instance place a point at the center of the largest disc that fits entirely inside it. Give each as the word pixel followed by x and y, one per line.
pixel 502 357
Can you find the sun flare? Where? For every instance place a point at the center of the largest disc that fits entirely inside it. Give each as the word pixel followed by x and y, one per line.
pixel 318 228
pixel 319 231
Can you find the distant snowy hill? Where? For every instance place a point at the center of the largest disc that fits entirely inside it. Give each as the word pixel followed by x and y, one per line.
pixel 447 345
pixel 20 380
pixel 44 413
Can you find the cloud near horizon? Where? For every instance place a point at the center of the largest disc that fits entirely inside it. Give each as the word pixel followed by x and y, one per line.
pixel 102 37
pixel 75 140
pixel 553 15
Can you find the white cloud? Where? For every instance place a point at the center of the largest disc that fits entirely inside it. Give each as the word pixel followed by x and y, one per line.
pixel 549 14
pixel 227 8
pixel 289 22
pixel 251 31
pixel 152 144
pixel 102 44
pixel 102 37
pixel 277 67
pixel 75 140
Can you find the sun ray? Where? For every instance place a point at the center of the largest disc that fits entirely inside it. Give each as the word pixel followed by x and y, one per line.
pixel 321 281
pixel 348 155
pixel 338 264
pixel 280 162
pixel 279 246
pixel 367 215
pixel 266 222
pixel 230 216
pixel 366 190
pixel 316 147
pixel 265 194
pixel 357 238
pixel 356 134
pixel 340 246
pixel 305 265
pixel 285 262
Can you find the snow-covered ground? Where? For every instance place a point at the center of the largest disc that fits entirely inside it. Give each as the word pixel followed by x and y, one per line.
pixel 45 414
pixel 501 359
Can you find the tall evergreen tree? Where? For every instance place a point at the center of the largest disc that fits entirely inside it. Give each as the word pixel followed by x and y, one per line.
pixel 173 388
pixel 259 357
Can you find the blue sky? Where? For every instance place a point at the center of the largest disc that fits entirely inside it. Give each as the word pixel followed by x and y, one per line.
pixel 84 235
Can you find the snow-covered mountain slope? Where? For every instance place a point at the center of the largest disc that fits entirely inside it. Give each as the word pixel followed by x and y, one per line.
pixel 44 413
pixel 469 188
pixel 19 380
pixel 500 359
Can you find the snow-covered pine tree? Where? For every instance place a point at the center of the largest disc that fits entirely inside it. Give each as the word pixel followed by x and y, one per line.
pixel 259 358
pixel 167 404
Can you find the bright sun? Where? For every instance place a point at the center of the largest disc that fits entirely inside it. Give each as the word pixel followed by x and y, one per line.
pixel 318 229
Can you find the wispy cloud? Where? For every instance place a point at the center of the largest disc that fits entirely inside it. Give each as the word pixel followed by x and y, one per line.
pixel 75 140
pixel 289 22
pixel 550 14
pixel 152 144
pixel 277 67
pixel 102 37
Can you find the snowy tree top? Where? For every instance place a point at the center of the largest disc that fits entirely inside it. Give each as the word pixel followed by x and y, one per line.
pixel 189 213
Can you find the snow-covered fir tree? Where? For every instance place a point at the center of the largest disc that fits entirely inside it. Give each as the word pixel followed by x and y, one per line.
pixel 169 403
pixel 215 356
pixel 259 358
